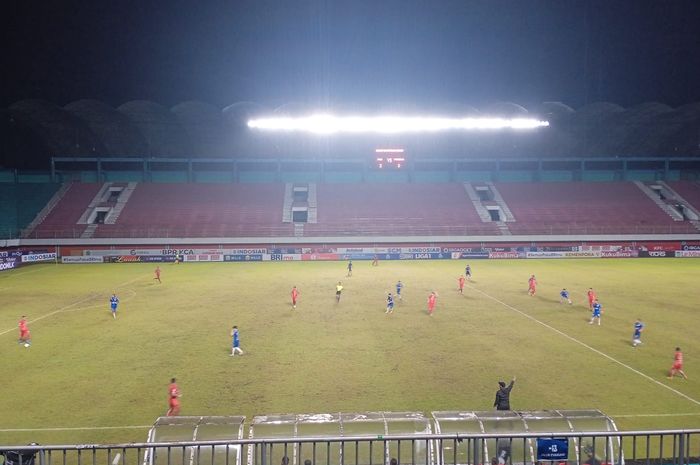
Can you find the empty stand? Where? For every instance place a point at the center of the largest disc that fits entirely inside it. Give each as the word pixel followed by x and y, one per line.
pixel 585 208
pixel 201 210
pixel 368 209
pixel 20 203
pixel 395 210
pixel 690 190
pixel 63 219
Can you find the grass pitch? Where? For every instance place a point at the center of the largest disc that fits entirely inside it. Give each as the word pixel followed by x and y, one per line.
pixel 85 370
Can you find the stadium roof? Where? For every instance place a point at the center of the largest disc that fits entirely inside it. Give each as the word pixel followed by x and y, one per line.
pixel 36 130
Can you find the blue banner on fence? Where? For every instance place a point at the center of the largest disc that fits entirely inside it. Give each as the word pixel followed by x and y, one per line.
pixel 552 448
pixel 243 258
pixel 284 251
pixel 424 256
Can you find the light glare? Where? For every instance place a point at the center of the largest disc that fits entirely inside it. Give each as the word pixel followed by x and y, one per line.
pixel 329 124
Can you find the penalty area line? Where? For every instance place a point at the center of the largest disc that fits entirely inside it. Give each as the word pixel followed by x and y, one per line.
pixel 67 308
pixel 591 348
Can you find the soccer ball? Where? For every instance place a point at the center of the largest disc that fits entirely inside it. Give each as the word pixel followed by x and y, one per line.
pixel 26 344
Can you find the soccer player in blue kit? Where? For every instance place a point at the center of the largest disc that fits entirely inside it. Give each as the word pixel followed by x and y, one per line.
pixel 235 342
pixel 637 336
pixel 597 310
pixel 389 304
pixel 399 288
pixel 564 296
pixel 113 302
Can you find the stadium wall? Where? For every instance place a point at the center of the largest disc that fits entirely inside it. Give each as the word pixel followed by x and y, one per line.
pixel 20 253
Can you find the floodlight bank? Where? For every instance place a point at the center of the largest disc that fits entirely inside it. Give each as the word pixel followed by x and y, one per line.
pixel 328 124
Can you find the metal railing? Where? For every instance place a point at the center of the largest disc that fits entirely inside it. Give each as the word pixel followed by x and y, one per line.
pixel 672 447
pixel 349 230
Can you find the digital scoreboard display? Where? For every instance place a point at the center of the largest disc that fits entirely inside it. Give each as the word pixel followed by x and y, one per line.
pixel 389 158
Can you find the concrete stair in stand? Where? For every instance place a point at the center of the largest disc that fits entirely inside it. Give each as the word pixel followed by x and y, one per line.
pixel 47 209
pixel 668 209
pixel 501 202
pixel 121 203
pixel 89 231
pixel 287 202
pixel 476 201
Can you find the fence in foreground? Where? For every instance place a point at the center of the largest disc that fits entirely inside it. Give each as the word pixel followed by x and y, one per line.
pixel 672 447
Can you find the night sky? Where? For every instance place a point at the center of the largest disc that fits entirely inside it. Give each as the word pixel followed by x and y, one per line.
pixel 355 52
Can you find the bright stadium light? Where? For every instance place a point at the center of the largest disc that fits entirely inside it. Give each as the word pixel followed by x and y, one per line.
pixel 329 124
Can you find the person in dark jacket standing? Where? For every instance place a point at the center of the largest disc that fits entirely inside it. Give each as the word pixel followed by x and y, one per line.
pixel 502 401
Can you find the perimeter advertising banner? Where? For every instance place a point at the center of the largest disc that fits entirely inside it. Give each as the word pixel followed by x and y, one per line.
pixel 39 257
pixel 687 253
pixel 619 254
pixel 657 253
pixel 141 259
pixel 173 252
pixel 8 263
pixel 506 255
pixel 204 258
pixel 469 255
pixel 243 258
pixel 82 259
pixel 582 254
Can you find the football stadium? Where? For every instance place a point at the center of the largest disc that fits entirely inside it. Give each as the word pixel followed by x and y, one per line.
pixel 350 281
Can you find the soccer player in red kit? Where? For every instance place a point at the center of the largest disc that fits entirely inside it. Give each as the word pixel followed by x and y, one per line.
pixel 677 365
pixel 25 337
pixel 173 402
pixel 460 281
pixel 295 296
pixel 157 273
pixel 591 297
pixel 432 298
pixel 532 283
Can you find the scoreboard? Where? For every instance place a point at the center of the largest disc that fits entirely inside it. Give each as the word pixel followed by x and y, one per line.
pixel 390 158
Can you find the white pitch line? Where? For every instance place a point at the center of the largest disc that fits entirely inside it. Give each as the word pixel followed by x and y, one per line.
pixel 78 428
pixel 654 415
pixel 593 349
pixel 67 307
pixel 116 458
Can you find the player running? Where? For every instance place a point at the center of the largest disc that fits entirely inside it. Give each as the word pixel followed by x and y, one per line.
pixel 399 288
pixel 338 290
pixel 532 285
pixel 460 282
pixel 375 260
pixel 295 296
pixel 637 336
pixel 25 337
pixel 113 303
pixel 591 297
pixel 349 268
pixel 564 296
pixel 157 274
pixel 677 365
pixel 235 342
pixel 173 396
pixel 597 310
pixel 432 299
pixel 468 272
pixel 389 304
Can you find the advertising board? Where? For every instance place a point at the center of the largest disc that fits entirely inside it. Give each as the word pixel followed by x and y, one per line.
pixel 82 259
